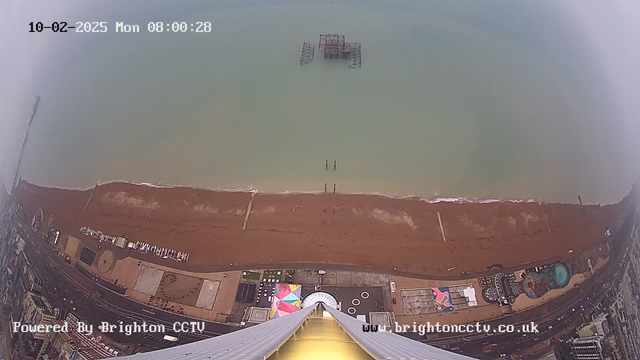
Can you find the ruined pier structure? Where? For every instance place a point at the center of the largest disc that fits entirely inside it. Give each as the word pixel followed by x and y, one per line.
pixel 307 53
pixel 334 46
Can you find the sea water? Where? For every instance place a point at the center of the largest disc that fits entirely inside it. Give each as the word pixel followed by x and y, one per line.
pixel 472 99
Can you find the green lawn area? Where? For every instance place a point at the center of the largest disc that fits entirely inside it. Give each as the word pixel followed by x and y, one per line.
pixel 250 275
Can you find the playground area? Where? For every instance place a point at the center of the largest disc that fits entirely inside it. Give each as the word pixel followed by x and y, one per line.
pixel 536 284
pixel 438 299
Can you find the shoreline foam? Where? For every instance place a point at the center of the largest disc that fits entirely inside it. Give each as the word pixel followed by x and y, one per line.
pixel 251 189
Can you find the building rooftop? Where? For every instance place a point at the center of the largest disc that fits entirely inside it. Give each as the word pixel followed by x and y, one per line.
pixel 89 347
pixel 40 304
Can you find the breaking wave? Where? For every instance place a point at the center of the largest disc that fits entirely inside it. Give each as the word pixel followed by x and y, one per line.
pixel 252 189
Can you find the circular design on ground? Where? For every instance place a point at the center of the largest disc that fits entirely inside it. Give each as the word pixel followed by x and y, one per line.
pixel 351 310
pixel 106 261
pixel 320 296
pixel 175 287
pixel 490 294
pixel 364 295
pixel 355 302
pixel 562 274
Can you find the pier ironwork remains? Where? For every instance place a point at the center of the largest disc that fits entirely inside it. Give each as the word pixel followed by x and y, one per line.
pixel 355 56
pixel 335 46
pixel 307 53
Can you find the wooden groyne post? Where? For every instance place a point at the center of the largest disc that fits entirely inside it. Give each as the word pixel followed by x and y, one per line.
pixel 246 217
pixel 584 212
pixel 90 196
pixel 444 238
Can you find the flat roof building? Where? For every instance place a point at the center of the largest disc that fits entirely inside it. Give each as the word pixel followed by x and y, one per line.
pixel 587 348
pixel 36 312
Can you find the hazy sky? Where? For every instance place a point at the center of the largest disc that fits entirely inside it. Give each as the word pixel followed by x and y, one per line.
pixel 613 31
pixel 610 30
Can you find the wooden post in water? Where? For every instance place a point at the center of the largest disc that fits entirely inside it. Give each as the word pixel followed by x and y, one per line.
pixel 335 163
pixel 334 188
pixel 326 164
pixel 325 188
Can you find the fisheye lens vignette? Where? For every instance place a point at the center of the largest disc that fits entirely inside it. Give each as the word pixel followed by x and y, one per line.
pixel 328 179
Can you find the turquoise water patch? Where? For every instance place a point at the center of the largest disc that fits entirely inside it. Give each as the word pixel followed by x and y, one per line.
pixel 562 274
